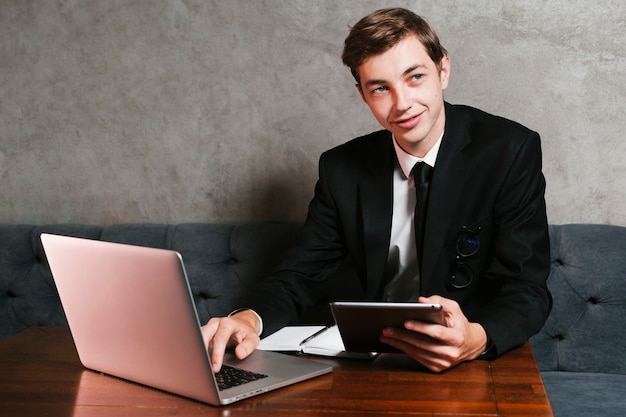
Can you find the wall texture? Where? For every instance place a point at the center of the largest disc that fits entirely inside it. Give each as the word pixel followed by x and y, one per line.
pixel 179 111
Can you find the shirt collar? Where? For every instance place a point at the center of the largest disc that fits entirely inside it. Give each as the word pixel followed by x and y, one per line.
pixel 408 161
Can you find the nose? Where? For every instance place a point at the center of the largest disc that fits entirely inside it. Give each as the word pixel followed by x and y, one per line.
pixel 402 101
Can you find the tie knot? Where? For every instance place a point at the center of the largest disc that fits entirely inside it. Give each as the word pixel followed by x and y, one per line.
pixel 422 173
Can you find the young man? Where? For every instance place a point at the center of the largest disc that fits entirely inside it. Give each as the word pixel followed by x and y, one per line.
pixel 482 250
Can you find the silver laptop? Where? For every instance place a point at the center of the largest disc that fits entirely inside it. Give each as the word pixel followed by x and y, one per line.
pixel 131 315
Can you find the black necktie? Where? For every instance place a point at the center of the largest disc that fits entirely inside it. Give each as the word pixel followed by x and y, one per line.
pixel 421 175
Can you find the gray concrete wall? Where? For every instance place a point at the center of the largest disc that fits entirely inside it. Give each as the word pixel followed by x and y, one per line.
pixel 177 111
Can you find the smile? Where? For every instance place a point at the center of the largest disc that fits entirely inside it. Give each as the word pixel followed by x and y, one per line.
pixel 408 123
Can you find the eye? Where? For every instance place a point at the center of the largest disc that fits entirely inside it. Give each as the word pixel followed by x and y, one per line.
pixel 416 77
pixel 379 90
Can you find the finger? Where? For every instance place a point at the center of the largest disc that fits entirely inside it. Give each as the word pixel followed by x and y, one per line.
pixel 208 330
pixel 431 330
pixel 247 346
pixel 433 299
pixel 410 338
pixel 446 303
pixel 217 334
pixel 430 359
pixel 219 343
pixel 423 357
pixel 451 309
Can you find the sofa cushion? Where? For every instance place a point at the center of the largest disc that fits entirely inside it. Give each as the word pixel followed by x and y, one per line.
pixel 584 332
pixel 585 393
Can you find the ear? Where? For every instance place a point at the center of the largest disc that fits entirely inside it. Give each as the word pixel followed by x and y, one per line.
pixel 444 73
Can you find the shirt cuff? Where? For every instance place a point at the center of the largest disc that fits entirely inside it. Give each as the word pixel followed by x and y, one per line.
pixel 490 348
pixel 255 313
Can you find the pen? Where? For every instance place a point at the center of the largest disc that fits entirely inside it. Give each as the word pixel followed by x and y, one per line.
pixel 314 335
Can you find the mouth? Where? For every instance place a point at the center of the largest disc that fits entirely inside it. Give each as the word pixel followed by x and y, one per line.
pixel 408 122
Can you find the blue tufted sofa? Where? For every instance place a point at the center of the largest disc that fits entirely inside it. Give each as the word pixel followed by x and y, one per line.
pixel 581 351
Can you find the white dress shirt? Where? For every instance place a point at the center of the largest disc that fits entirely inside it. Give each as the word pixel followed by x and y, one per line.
pixel 402 258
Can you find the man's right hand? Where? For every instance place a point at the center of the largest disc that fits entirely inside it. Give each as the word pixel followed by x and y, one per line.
pixel 239 330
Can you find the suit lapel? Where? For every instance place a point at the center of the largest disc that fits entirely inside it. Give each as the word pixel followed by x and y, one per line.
pixel 376 201
pixel 449 178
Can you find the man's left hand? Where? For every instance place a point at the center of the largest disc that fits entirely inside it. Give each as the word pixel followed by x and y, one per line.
pixel 435 346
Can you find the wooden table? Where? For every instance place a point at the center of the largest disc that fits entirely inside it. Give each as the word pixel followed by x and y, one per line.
pixel 40 374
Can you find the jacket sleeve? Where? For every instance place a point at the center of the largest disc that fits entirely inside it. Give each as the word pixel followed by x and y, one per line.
pixel 520 263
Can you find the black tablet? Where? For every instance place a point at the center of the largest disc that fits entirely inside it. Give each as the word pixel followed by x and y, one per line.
pixel 361 323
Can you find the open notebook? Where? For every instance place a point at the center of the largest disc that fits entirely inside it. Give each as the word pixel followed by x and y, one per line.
pixel 310 340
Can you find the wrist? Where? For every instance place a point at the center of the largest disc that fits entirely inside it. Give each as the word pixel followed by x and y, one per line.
pixel 489 348
pixel 250 317
pixel 483 342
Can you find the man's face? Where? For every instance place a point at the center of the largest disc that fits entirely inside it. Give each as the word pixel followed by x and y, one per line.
pixel 404 90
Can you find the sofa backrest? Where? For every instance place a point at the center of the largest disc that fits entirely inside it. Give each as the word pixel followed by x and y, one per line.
pixel 585 329
pixel 223 262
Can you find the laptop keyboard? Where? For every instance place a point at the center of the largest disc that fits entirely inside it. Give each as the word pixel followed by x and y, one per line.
pixel 229 377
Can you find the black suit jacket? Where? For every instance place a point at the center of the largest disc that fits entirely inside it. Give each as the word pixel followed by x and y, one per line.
pixel 487 176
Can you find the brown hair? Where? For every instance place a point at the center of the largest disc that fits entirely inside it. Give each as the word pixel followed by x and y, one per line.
pixel 381 30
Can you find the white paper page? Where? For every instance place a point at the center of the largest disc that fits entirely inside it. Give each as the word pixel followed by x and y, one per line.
pixel 289 338
pixel 328 343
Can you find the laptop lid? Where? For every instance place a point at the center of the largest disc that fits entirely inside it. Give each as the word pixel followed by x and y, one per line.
pixel 131 315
